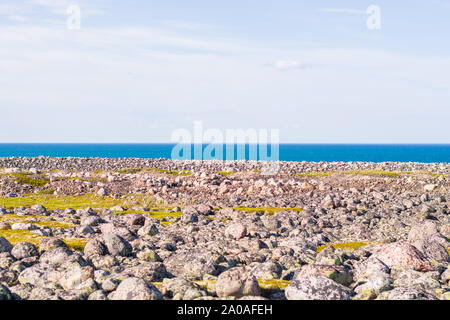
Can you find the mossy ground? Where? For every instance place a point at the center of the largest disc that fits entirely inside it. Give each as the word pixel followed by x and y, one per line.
pixel 346 245
pixel 17 236
pixel 264 284
pixel 315 174
pixel 266 210
pixel 52 202
pixel 364 173
pixel 225 173
pixel 129 170
pixel 41 221
pixel 273 284
pixel 25 178
pixel 154 213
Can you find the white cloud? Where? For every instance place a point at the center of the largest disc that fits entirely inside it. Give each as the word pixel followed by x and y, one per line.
pixel 59 7
pixel 17 18
pixel 288 64
pixel 192 26
pixel 10 8
pixel 138 84
pixel 344 10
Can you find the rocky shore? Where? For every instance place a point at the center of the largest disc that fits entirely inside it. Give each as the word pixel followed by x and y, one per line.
pixel 79 228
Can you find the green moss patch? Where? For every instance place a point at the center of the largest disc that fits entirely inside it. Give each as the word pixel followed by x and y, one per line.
pixel 13 218
pixel 129 170
pixel 171 172
pixel 77 244
pixel 52 202
pixel 264 284
pixel 35 180
pixel 17 236
pixel 225 173
pixel 346 245
pixel 315 174
pixel 362 172
pixel 273 284
pixel 374 173
pixel 154 213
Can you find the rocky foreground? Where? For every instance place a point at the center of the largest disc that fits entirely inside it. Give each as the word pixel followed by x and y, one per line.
pixel 148 229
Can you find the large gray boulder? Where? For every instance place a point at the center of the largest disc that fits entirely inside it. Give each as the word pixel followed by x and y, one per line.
pixel 117 246
pixel 236 282
pixel 316 287
pixel 5 294
pixel 24 250
pixel 5 246
pixel 136 289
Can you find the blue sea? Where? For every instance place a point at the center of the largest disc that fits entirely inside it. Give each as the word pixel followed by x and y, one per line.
pixel 287 152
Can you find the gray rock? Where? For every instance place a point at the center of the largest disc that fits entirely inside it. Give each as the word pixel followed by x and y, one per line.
pixel 148 230
pixel 136 289
pixel 23 226
pixel 403 293
pixel 150 271
pixel 24 250
pixel 39 209
pixel 117 246
pixel 51 243
pixel 267 270
pixel 5 246
pixel 5 294
pixel 37 275
pixel 95 247
pixel 181 289
pixel 110 284
pixel 236 282
pixel 56 257
pixel 98 295
pixel 316 288
pixel 371 287
pixel 91 221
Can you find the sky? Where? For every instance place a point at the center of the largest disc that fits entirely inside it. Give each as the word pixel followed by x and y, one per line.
pixel 135 71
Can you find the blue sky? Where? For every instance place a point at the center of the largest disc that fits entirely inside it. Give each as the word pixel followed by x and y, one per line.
pixel 138 70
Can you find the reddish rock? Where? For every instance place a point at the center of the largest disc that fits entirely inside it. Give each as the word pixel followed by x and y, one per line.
pixel 404 254
pixel 236 231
